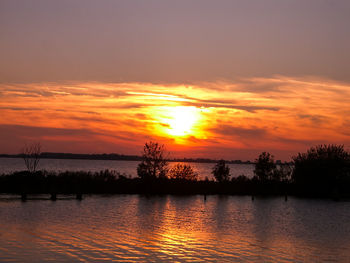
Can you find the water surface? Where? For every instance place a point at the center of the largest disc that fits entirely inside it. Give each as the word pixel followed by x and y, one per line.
pixel 128 228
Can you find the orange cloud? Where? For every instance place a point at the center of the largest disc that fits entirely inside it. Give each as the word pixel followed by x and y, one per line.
pixel 218 119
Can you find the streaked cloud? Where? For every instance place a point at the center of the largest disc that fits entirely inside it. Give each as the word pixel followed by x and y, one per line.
pixel 242 117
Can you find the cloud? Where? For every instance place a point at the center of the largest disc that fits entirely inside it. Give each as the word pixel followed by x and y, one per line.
pixel 15 136
pixel 240 132
pixel 20 108
pixel 315 119
pixel 228 105
pixel 34 132
pixel 276 113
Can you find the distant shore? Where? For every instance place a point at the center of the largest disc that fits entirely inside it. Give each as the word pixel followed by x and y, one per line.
pixel 117 157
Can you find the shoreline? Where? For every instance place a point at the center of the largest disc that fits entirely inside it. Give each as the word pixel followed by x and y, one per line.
pixel 113 183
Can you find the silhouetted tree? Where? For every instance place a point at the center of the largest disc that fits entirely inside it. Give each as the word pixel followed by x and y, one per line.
pixel 221 171
pixel 154 163
pixel 183 171
pixel 31 156
pixel 265 167
pixel 323 167
pixel 282 173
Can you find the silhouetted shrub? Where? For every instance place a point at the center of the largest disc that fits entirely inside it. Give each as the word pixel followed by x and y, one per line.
pixel 265 167
pixel 241 178
pixel 324 168
pixel 154 163
pixel 183 172
pixel 221 171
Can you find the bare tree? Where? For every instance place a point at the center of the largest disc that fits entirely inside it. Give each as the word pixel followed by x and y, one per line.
pixel 154 162
pixel 31 156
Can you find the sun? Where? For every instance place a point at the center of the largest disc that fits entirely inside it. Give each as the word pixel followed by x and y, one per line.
pixel 180 121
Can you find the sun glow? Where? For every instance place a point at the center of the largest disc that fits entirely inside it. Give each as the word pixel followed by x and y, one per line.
pixel 180 121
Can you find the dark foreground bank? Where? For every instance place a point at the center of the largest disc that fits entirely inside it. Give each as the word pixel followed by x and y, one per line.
pixel 111 182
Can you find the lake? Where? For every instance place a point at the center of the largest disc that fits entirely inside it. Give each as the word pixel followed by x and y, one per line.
pixel 8 165
pixel 127 228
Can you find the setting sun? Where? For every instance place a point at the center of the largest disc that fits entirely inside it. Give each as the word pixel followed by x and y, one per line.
pixel 180 121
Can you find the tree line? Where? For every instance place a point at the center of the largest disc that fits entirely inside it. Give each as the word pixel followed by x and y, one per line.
pixel 322 170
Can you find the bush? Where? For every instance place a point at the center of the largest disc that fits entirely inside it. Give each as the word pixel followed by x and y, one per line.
pixel 183 172
pixel 324 167
pixel 240 179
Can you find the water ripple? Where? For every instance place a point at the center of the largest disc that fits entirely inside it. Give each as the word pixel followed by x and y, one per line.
pixel 168 228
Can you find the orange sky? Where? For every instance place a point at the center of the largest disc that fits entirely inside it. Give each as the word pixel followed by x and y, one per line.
pixel 223 119
pixel 219 79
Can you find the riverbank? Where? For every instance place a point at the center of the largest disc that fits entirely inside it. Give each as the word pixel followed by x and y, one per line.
pixel 111 182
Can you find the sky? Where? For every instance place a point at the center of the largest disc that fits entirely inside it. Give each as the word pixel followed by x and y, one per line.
pixel 217 79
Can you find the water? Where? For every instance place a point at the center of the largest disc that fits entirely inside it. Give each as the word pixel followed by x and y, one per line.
pixel 8 165
pixel 126 228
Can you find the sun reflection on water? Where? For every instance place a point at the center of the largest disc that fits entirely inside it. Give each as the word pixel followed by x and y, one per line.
pixel 134 228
